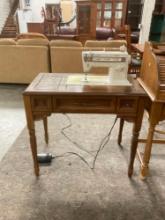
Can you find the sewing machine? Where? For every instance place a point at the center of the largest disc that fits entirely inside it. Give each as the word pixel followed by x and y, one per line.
pixel 117 62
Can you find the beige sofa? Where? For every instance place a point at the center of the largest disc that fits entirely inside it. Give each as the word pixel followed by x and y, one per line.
pixel 102 45
pixel 66 56
pixel 22 60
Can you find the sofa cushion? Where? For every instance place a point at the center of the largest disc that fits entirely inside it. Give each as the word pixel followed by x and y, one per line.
pixel 7 41
pixel 65 43
pixel 31 35
pixel 33 42
pixel 105 44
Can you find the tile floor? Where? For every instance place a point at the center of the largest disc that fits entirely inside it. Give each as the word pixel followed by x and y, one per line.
pixel 12 115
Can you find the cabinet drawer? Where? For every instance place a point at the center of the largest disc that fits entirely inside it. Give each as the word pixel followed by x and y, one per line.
pixel 41 103
pixel 125 104
pixel 84 104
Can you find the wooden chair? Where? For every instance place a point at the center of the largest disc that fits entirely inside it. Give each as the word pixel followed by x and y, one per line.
pixel 152 78
pixel 125 33
pixel 51 24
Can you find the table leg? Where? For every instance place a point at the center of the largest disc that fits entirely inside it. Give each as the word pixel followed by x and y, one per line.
pixel 147 152
pixel 155 115
pixel 45 122
pixel 135 135
pixel 134 144
pixel 31 128
pixel 33 146
pixel 120 131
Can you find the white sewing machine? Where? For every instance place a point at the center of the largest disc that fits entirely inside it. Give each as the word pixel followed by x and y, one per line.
pixel 117 62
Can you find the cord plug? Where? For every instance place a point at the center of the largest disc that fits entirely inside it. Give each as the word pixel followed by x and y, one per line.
pixel 45 158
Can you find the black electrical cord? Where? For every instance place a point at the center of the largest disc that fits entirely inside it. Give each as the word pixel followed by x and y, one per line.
pixel 76 154
pixel 72 141
pixel 103 143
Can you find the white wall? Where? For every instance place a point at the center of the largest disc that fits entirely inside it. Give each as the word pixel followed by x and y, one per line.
pixel 23 18
pixel 4 12
pixel 146 20
pixel 35 7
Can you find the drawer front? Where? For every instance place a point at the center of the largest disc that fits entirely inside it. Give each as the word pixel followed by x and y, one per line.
pixel 125 104
pixel 41 103
pixel 84 105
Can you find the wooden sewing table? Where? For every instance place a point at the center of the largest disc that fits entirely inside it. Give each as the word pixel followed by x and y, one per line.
pixel 49 93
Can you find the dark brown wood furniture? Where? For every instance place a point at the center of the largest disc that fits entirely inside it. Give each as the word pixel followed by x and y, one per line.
pixel 86 20
pixel 92 14
pixel 35 27
pixel 139 48
pixel 134 13
pixel 52 18
pixel 48 94
pixel 111 13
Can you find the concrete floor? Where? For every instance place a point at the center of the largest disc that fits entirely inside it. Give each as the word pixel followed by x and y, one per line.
pixel 12 115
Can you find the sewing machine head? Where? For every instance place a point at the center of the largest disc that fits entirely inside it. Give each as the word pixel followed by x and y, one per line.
pixel 117 61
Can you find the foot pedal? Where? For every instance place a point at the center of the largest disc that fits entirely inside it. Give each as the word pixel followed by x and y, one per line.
pixel 44 158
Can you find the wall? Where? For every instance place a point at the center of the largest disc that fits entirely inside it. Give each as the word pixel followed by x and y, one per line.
pixel 146 20
pixel 4 11
pixel 68 9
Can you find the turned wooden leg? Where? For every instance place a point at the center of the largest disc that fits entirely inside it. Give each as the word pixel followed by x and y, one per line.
pixel 135 135
pixel 155 115
pixel 147 152
pixel 134 145
pixel 45 123
pixel 34 150
pixel 31 128
pixel 120 131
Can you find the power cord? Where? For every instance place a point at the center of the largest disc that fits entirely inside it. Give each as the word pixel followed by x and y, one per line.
pixel 102 145
pixel 72 141
pixel 76 154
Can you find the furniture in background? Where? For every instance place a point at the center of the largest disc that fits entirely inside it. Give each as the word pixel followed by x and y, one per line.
pixel 49 94
pixel 124 32
pixel 31 35
pixel 52 18
pixel 66 56
pixel 139 48
pixel 86 19
pixel 35 27
pixel 134 14
pixel 22 60
pixel 64 52
pixel 99 15
pixel 111 13
pixel 103 33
